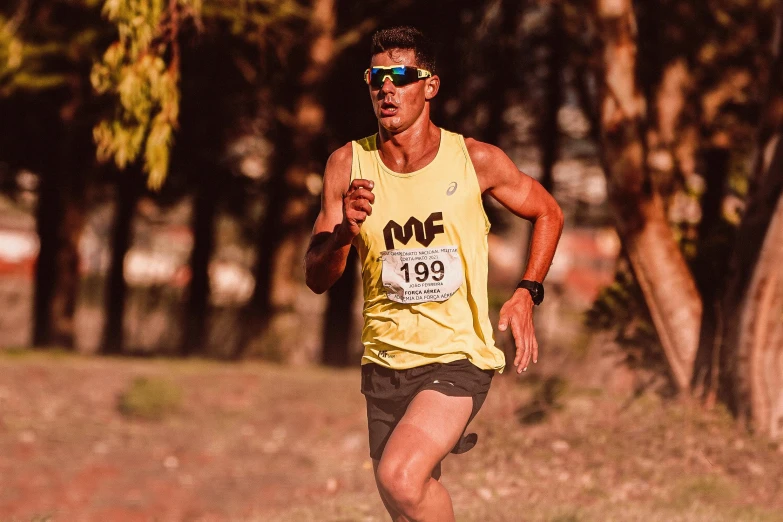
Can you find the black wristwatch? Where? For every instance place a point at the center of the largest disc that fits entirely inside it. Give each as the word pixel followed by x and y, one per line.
pixel 535 288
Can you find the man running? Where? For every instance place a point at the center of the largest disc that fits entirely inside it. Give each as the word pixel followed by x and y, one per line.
pixel 409 200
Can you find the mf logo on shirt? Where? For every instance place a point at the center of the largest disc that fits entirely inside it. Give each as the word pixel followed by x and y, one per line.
pixel 424 232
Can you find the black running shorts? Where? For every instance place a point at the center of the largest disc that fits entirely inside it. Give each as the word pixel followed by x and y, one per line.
pixel 389 392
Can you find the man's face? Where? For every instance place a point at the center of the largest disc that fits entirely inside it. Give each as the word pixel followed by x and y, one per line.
pixel 397 108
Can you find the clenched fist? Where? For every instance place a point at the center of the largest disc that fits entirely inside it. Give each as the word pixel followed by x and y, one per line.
pixel 357 205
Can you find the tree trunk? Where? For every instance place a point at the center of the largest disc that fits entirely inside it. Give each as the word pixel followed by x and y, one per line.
pixel 668 287
pixel 550 130
pixel 658 264
pixel 116 287
pixel 747 287
pixel 48 218
pixel 711 269
pixel 204 212
pixel 740 373
pixel 256 315
pixel 60 218
pixel 761 333
pixel 298 151
pixel 67 274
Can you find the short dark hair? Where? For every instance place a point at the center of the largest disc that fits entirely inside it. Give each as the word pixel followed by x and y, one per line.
pixel 405 37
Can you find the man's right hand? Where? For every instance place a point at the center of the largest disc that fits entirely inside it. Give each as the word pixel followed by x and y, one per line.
pixel 357 205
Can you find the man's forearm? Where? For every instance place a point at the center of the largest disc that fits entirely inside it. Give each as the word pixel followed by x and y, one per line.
pixel 325 259
pixel 546 234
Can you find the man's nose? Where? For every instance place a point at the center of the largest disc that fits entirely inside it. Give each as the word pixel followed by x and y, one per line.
pixel 388 86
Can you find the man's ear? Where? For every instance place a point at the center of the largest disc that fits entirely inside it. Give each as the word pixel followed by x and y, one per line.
pixel 431 87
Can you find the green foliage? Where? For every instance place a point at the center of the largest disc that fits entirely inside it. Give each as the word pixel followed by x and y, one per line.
pixel 620 307
pixel 546 399
pixel 254 19
pixel 141 70
pixel 738 180
pixel 150 398
pixel 39 53
pixel 20 67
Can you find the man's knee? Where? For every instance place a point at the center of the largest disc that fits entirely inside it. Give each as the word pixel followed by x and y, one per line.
pixel 403 484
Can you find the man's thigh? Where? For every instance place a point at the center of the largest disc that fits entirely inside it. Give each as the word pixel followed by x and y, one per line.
pixel 431 426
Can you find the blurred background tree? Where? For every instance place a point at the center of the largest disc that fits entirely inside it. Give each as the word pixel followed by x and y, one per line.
pixel 669 152
pixel 48 108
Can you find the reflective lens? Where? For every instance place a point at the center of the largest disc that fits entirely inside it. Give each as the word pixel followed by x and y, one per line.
pixel 399 75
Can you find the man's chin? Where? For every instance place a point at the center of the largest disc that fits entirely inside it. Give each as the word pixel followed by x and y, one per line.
pixel 391 123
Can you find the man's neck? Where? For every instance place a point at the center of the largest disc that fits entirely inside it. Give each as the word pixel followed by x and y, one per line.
pixel 410 150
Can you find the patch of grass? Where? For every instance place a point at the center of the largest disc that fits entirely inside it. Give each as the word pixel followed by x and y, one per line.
pixel 269 348
pixel 20 352
pixel 15 351
pixel 596 492
pixel 41 518
pixel 588 392
pixel 753 514
pixel 566 517
pixel 641 511
pixel 59 352
pixel 150 398
pixel 580 344
pixel 546 399
pixel 707 489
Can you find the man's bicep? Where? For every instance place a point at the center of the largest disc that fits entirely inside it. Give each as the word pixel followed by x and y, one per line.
pixel 325 223
pixel 501 178
pixel 331 213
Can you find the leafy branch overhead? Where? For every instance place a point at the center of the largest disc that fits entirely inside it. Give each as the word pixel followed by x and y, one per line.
pixel 19 62
pixel 141 70
pixel 135 70
pixel 40 52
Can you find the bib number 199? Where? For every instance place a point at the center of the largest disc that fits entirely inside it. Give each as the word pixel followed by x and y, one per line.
pixel 422 275
pixel 423 271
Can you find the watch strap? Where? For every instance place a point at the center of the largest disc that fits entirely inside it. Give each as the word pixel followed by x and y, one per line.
pixel 535 288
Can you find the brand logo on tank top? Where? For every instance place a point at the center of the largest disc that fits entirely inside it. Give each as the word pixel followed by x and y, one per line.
pixel 424 232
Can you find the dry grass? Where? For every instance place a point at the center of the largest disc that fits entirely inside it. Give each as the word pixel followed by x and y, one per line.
pixel 261 442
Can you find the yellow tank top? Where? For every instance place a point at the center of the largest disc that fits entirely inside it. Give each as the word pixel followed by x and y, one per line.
pixel 424 261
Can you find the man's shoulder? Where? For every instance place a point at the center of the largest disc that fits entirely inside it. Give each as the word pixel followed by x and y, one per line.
pixel 341 156
pixel 338 166
pixel 483 154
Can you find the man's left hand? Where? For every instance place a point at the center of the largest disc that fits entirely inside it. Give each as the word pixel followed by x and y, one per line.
pixel 518 312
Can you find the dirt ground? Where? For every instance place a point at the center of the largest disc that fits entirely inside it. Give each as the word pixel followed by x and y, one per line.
pixel 259 442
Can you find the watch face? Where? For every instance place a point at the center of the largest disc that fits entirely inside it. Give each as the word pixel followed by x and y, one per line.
pixel 538 293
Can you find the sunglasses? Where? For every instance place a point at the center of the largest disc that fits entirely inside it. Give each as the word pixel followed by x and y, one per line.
pixel 398 74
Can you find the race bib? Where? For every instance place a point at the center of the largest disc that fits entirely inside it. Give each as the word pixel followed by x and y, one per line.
pixel 422 275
